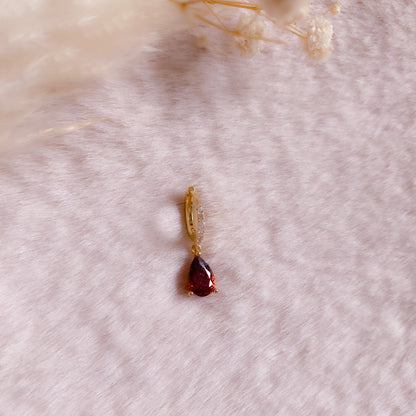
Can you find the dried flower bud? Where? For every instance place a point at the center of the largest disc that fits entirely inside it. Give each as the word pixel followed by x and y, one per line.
pixel 249 38
pixel 319 38
pixel 286 11
pixel 335 9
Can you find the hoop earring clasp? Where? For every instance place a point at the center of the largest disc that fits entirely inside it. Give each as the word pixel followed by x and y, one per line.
pixel 194 218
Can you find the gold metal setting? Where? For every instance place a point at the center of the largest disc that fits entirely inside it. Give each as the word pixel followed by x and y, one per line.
pixel 191 212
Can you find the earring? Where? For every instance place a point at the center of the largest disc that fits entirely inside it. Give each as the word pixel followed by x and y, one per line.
pixel 201 278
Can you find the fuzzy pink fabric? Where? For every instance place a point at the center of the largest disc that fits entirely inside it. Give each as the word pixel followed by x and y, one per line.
pixel 307 173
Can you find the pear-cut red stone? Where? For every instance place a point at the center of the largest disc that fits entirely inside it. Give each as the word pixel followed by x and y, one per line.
pixel 201 278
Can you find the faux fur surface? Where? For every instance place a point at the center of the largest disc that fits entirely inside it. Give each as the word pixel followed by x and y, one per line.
pixel 307 173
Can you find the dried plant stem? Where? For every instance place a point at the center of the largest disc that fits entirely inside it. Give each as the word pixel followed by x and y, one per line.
pixel 208 22
pixel 216 16
pixel 221 25
pixel 231 3
pixel 58 131
pixel 238 4
pixel 292 28
pixel 249 33
pixel 236 32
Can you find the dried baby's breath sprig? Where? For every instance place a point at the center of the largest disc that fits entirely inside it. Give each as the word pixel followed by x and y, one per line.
pixel 248 28
pixel 250 34
pixel 319 38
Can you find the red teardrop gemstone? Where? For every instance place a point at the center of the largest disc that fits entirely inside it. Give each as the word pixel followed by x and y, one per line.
pixel 201 278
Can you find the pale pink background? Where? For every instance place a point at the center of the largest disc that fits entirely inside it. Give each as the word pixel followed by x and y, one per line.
pixel 308 176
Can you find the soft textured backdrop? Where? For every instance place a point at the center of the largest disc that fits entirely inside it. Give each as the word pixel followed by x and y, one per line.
pixel 308 177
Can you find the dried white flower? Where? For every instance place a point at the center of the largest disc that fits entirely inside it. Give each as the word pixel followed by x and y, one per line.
pixel 286 11
pixel 249 32
pixel 319 38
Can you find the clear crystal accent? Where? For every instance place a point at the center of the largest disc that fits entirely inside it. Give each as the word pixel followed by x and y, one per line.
pixel 201 225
